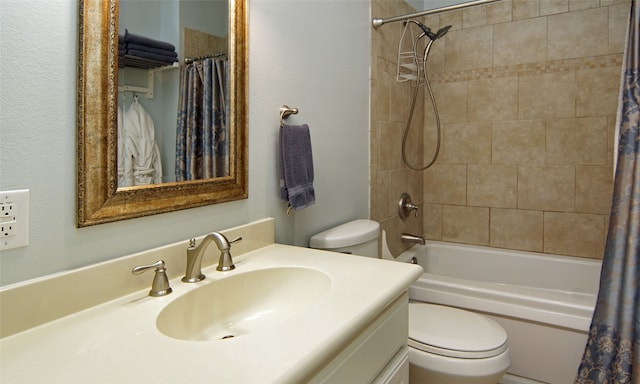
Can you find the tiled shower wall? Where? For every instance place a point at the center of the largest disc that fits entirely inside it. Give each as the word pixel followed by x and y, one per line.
pixel 390 105
pixel 527 92
pixel 197 43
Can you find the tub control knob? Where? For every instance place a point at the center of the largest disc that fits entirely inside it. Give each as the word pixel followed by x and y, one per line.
pixel 405 206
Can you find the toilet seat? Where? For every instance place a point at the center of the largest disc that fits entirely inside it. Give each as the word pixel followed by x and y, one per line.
pixel 453 332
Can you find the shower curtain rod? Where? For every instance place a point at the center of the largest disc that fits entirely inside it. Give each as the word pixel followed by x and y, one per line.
pixel 378 22
pixel 189 60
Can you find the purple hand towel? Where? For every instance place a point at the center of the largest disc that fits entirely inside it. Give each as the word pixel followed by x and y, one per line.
pixel 296 166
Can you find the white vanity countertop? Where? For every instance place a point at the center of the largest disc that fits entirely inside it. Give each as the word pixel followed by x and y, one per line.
pixel 118 342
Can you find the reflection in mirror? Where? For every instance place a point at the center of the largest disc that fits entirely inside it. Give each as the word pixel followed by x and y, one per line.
pixel 172 91
pixel 100 198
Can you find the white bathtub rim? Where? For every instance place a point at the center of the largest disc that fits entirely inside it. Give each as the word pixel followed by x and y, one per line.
pixel 564 309
pixel 498 308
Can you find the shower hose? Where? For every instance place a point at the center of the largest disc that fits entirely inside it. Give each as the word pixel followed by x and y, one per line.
pixel 413 105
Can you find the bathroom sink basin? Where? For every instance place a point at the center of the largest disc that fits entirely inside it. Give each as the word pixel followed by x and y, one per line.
pixel 242 303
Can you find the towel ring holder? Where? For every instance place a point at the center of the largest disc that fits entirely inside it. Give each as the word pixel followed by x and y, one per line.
pixel 285 111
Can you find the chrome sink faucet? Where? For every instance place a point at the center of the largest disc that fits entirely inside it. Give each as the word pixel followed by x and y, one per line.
pixel 196 252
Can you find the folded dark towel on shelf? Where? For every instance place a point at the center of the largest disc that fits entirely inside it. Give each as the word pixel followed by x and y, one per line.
pixel 157 51
pixel 131 38
pixel 152 56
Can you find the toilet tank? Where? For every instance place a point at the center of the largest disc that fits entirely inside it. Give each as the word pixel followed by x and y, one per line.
pixel 358 237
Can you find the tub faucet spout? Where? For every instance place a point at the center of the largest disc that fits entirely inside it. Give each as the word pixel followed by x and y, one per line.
pixel 413 239
pixel 196 252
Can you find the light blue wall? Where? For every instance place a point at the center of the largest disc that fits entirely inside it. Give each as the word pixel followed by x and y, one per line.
pixel 295 58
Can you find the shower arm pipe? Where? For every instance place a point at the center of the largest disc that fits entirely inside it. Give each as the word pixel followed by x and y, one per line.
pixel 378 22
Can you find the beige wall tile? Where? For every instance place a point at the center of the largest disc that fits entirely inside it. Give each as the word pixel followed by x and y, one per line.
pixel 578 34
pixel 467 143
pixel 597 91
pixel 493 99
pixel 445 184
pixel 520 42
pixel 618 21
pixel 374 153
pixel 432 221
pixel 380 100
pixel 550 7
pixel 474 16
pixel 604 3
pixel 452 18
pixel 499 12
pixel 413 145
pixel 547 95
pixel 518 142
pixel 400 94
pixel 387 43
pixel 469 48
pixel 390 139
pixel 577 141
pixel 517 229
pixel 492 185
pixel 451 99
pixel 430 144
pixel 577 5
pixel 380 197
pixel 546 188
pixel 574 234
pixel 594 187
pixel 525 9
pixel 469 225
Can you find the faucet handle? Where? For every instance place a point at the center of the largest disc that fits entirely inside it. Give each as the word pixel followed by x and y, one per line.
pixel 225 263
pixel 405 206
pixel 160 285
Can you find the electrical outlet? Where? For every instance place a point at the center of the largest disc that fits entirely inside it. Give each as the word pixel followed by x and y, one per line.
pixel 14 219
pixel 8 228
pixel 8 211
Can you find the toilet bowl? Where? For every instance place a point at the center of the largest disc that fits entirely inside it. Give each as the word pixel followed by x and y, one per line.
pixel 446 345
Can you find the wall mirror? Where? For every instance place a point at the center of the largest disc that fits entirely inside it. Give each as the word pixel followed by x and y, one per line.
pixel 100 198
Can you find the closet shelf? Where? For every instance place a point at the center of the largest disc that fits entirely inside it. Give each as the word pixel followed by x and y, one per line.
pixel 148 90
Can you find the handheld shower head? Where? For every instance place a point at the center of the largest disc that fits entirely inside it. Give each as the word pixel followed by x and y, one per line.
pixel 442 31
pixel 427 31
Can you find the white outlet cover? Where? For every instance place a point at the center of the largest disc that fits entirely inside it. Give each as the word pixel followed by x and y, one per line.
pixel 19 200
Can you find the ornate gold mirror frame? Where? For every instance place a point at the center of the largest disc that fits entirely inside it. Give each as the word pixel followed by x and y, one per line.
pixel 99 200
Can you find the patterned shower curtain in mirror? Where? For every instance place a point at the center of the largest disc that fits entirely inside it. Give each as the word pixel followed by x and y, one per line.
pixel 202 140
pixel 612 353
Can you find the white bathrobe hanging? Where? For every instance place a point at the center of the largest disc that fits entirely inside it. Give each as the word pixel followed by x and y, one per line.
pixel 140 148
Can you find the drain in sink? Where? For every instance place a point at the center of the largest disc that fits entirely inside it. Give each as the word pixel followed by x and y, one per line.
pixel 226 337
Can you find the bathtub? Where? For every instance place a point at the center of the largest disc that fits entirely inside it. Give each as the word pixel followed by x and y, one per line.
pixel 545 302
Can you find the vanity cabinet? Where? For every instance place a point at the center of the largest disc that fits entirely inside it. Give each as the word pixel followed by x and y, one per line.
pixel 378 354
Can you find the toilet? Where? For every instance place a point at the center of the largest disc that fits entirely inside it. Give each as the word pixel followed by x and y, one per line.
pixel 446 345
